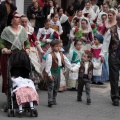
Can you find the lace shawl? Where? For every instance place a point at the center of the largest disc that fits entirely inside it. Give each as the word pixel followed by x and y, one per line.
pixel 17 40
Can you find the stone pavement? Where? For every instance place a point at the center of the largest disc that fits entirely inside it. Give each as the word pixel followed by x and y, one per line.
pixel 69 109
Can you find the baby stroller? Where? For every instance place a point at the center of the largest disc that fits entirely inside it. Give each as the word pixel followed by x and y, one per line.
pixel 18 65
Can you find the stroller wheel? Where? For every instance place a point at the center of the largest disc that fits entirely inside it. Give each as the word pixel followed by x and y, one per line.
pixel 14 112
pixel 35 112
pixel 9 112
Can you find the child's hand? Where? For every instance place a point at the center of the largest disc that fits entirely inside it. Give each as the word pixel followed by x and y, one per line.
pixel 102 59
pixel 43 40
pixel 42 52
pixel 84 39
pixel 51 78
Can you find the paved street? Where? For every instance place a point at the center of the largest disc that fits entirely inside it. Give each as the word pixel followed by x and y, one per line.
pixel 69 109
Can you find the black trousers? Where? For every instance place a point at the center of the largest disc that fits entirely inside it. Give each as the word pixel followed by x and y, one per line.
pixel 81 83
pixel 114 67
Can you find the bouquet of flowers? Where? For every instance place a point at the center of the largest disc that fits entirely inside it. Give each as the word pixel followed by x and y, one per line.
pixel 94 28
pixel 78 33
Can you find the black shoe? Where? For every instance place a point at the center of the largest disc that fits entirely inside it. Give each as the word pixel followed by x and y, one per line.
pixel 116 102
pixel 79 99
pixel 54 102
pixel 50 104
pixel 100 83
pixel 93 82
pixel 88 101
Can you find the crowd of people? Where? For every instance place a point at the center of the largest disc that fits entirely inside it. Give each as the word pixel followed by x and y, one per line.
pixel 68 48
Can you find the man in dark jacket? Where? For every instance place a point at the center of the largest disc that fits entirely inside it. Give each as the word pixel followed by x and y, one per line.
pixel 6 8
pixel 29 9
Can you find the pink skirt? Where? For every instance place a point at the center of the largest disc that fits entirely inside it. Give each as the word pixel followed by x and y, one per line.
pixel 25 95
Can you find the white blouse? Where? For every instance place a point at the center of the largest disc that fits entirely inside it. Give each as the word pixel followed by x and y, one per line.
pixel 49 62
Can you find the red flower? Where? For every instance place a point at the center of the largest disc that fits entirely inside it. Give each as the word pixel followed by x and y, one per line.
pixel 75 18
pixel 92 26
pixel 76 29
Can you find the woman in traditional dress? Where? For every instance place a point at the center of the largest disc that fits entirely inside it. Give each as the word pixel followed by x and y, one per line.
pixel 34 45
pixel 111 19
pixel 13 38
pixel 108 24
pixel 87 35
pixel 66 29
pixel 89 10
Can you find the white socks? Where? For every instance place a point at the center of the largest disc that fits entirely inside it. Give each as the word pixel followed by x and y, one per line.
pixel 31 105
pixel 20 108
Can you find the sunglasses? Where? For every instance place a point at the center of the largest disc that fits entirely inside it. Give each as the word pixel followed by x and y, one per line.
pixel 17 17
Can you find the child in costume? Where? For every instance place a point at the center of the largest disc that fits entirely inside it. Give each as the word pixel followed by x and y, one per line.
pixel 54 61
pixel 100 72
pixel 74 57
pixel 45 35
pixel 101 26
pixel 55 24
pixel 85 76
pixel 25 92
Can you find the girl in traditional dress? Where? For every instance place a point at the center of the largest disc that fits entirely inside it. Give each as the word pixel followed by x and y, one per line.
pixel 44 35
pixel 25 93
pixel 74 29
pixel 55 24
pixel 13 38
pixel 101 25
pixel 100 72
pixel 74 57
pixel 78 15
pixel 34 45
